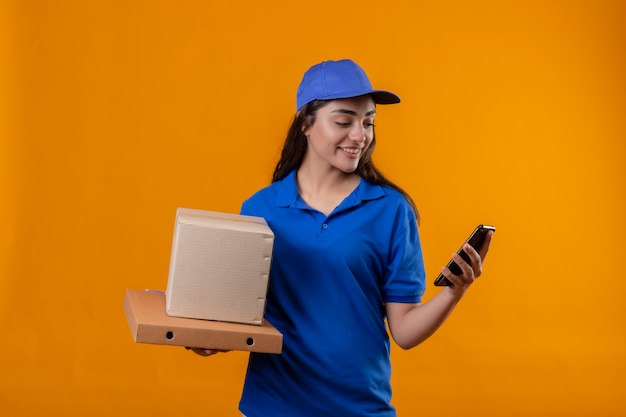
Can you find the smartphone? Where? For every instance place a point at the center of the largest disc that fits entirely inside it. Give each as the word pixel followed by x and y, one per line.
pixel 476 240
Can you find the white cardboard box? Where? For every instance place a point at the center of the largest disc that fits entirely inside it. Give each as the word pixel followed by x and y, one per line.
pixel 219 267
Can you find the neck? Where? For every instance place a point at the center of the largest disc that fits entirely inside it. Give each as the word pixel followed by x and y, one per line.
pixel 315 180
pixel 324 191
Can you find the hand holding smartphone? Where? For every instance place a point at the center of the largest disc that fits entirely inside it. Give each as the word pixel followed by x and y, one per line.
pixel 475 240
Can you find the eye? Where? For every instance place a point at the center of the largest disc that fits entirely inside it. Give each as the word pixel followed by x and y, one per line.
pixel 343 124
pixel 369 125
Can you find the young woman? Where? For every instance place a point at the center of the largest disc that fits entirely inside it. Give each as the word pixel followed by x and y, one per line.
pixel 346 258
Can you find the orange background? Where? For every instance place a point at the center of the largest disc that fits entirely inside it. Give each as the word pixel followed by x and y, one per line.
pixel 115 113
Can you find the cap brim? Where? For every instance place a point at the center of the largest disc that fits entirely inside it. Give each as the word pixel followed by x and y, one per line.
pixel 384 97
pixel 379 97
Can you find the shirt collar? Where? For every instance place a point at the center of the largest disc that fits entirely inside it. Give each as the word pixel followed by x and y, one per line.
pixel 288 193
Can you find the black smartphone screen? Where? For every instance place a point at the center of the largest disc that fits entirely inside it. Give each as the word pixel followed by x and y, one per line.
pixel 475 240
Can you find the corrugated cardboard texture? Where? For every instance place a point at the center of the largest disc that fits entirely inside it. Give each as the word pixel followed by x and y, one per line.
pixel 149 323
pixel 219 267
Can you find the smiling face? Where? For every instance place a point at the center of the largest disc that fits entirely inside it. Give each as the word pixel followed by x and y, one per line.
pixel 340 134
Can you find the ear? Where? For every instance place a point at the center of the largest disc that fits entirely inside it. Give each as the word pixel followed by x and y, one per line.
pixel 306 124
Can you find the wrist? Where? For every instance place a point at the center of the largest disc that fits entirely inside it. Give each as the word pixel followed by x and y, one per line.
pixel 454 293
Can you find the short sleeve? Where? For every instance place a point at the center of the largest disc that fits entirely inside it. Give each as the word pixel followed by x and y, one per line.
pixel 404 279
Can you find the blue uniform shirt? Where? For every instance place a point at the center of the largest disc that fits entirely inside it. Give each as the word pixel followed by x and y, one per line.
pixel 329 281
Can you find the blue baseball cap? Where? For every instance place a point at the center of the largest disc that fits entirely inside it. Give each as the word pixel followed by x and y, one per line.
pixel 330 80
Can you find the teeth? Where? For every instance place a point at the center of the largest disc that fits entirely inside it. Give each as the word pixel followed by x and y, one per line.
pixel 350 150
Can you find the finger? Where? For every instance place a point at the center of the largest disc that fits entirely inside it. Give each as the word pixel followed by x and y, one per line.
pixel 202 352
pixel 486 245
pixel 474 256
pixel 454 279
pixel 467 271
pixel 476 261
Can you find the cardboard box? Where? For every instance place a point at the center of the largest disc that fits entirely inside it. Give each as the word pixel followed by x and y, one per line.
pixel 149 323
pixel 219 267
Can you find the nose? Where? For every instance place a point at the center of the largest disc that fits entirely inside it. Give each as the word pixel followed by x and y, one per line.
pixel 357 134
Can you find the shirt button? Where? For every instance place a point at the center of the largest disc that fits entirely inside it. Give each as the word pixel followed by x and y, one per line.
pixel 325 226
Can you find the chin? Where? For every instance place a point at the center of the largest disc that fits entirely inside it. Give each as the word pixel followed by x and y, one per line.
pixel 350 170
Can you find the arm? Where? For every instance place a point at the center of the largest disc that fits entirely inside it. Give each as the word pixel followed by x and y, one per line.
pixel 411 324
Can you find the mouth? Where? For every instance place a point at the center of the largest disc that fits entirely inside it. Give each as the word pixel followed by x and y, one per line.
pixel 351 151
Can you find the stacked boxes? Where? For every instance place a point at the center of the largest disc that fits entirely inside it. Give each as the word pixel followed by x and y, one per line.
pixel 216 289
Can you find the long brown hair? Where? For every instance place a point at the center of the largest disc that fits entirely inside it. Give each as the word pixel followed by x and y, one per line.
pixel 295 147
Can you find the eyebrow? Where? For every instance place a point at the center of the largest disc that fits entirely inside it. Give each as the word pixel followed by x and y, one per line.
pixel 353 113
